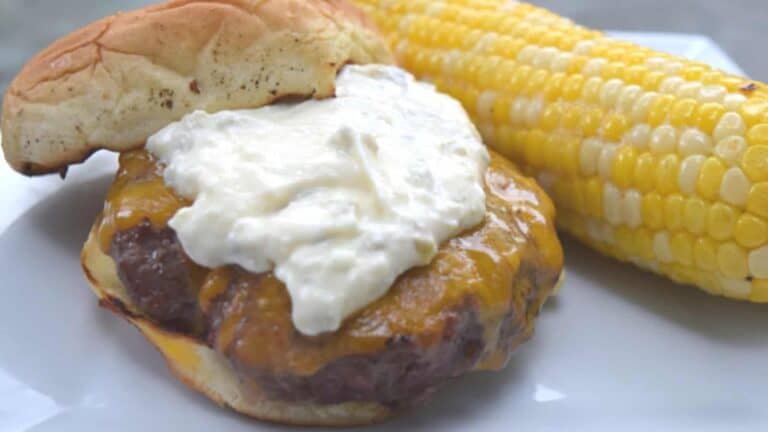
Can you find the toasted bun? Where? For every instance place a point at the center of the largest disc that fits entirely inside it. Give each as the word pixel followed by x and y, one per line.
pixel 115 82
pixel 206 371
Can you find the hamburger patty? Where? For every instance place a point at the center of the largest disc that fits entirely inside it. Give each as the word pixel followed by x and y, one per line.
pixel 467 310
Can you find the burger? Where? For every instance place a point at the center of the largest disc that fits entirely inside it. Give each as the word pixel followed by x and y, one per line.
pixel 305 232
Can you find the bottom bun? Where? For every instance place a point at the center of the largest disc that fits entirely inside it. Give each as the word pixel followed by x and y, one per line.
pixel 205 370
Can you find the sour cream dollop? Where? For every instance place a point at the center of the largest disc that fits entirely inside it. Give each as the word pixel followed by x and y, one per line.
pixel 337 196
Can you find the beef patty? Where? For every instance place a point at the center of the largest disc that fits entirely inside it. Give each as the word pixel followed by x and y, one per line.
pixel 468 309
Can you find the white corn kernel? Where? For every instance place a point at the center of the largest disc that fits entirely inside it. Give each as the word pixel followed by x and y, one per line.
pixel 485 104
pixel 689 173
pixel 689 90
pixel 758 263
pixel 562 62
pixel 672 67
pixel 631 209
pixel 527 54
pixel 518 110
pixel 655 63
pixel 594 66
pixel 628 97
pixel 662 248
pixel 738 288
pixel 605 163
pixel 730 149
pixel 663 140
pixel 642 106
pixel 693 141
pixel 588 156
pixel 712 93
pixel 533 113
pixel 671 84
pixel 612 203
pixel 733 101
pixel 486 41
pixel 638 136
pixel 730 124
pixel 544 58
pixel 610 91
pixel 584 47
pixel 735 187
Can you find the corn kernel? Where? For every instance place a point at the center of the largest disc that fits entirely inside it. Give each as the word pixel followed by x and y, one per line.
pixel 550 117
pixel 610 92
pixel 661 247
pixel 625 241
pixel 667 173
pixel 623 168
pixel 660 109
pixel 689 173
pixel 713 94
pixel 663 140
pixel 757 201
pixel 572 87
pixel 653 80
pixel 735 187
pixel 628 97
pixel 644 173
pixel 671 84
pixel 612 202
pixel 736 288
pixel 731 150
pixel 750 231
pixel 683 112
pixel 638 136
pixel 644 244
pixel 594 67
pixel 705 254
pixel 533 112
pixel 730 124
pixel 501 110
pixel 682 248
pixel 572 117
pixel 673 212
pixel 614 127
pixel 758 262
pixel 589 155
pixel 721 221
pixel 754 111
pixel 759 291
pixel 594 197
pixel 652 211
pixel 590 91
pixel 693 73
pixel 693 141
pixel 605 161
pixel 518 79
pixel 758 134
pixel 632 209
pixel 708 116
pixel 755 162
pixel 695 215
pixel 642 107
pixel 590 123
pixel 689 90
pixel 710 177
pixel 732 261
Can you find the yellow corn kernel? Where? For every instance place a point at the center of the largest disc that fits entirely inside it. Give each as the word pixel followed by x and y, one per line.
pixel 710 176
pixel 757 200
pixel 708 116
pixel 695 215
pixel 644 244
pixel 755 162
pixel 705 254
pixel 614 127
pixel 652 80
pixel 750 231
pixel 590 123
pixel 683 112
pixel 758 134
pixel 644 173
pixel 623 167
pixel 682 248
pixel 594 197
pixel 732 261
pixel 553 89
pixel 759 291
pixel 667 173
pixel 625 241
pixel 569 156
pixel 721 221
pixel 572 87
pixel 653 211
pixel 673 212
pixel 754 111
pixel 758 262
pixel 660 108
pixel 550 117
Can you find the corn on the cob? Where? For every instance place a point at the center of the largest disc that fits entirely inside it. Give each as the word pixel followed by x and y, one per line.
pixel 650 158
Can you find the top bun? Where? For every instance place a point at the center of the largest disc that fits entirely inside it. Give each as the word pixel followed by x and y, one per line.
pixel 117 81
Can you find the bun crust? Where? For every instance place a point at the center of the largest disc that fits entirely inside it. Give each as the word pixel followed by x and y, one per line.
pixel 117 81
pixel 206 371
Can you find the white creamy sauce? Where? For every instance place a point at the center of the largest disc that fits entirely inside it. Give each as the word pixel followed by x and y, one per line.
pixel 337 196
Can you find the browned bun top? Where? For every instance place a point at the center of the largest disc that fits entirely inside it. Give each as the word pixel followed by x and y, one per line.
pixel 116 81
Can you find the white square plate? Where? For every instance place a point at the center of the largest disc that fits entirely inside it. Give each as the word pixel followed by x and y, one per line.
pixel 617 350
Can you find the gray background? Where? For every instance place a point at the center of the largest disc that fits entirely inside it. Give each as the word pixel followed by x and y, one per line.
pixel 739 26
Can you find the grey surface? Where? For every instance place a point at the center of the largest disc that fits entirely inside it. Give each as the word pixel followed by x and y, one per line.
pixel 740 26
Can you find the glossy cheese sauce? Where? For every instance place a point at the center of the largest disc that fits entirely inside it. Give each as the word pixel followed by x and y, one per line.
pixel 338 197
